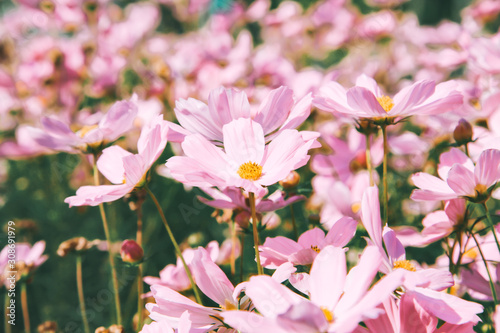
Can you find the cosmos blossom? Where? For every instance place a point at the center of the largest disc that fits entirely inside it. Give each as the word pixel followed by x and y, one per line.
pixel 123 169
pixel 246 161
pixel 366 99
pixel 277 112
pixel 459 177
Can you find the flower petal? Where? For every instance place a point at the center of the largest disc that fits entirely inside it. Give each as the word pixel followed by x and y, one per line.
pixel 110 164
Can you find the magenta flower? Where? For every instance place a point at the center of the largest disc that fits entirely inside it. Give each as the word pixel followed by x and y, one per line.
pixel 123 169
pixel 246 161
pixel 57 135
pixel 279 250
pixel 459 178
pixel 277 112
pixel 366 99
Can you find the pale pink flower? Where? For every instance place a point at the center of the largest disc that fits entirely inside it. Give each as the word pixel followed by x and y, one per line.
pixel 459 177
pixel 337 301
pixel 366 99
pixel 279 250
pixel 23 256
pixel 57 135
pixel 278 111
pixel 123 169
pixel 170 305
pixel 246 161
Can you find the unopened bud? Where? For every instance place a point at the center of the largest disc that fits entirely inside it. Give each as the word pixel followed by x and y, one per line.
pixel 463 132
pixel 111 329
pixel 76 244
pixel 131 252
pixel 243 219
pixel 290 181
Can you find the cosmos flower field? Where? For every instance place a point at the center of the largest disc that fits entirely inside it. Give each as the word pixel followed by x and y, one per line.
pixel 249 166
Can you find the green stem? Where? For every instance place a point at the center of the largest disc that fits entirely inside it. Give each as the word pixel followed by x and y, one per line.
pixel 294 224
pixel 491 225
pixel 24 305
pixel 255 233
pixel 492 286
pixel 140 286
pixel 384 176
pixel 232 227
pixel 81 297
pixel 176 245
pixel 110 254
pixel 466 149
pixel 242 241
pixel 369 158
pixel 8 329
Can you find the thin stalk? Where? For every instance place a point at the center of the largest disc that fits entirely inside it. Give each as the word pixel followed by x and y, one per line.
pixel 110 254
pixel 81 297
pixel 232 227
pixel 492 286
pixel 488 218
pixel 255 233
pixel 242 241
pixel 140 286
pixel 176 245
pixel 384 175
pixel 369 158
pixel 295 231
pixel 24 305
pixel 8 329
pixel 466 149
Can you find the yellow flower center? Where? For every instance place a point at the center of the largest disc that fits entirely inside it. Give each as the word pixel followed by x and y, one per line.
pixel 480 189
pixel 355 207
pixel 471 253
pixel 328 314
pixel 85 129
pixel 315 248
pixel 405 264
pixel 385 102
pixel 250 171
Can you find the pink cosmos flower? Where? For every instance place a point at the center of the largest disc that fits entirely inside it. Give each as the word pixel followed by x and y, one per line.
pixel 366 99
pixel 212 281
pixel 337 301
pixel 57 135
pixel 124 169
pixel 26 257
pixel 459 178
pixel 408 315
pixel 246 161
pixel 277 112
pixel 279 250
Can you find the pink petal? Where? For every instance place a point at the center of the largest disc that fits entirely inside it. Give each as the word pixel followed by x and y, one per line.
pixel 244 141
pixel 369 83
pixel 370 216
pixel 195 117
pixel 449 308
pixel 135 169
pixel 362 99
pixel 118 120
pixel 461 180
pixel 210 278
pixel 110 164
pixel 226 105
pixel 333 98
pixel 341 232
pixel 275 251
pixel 431 188
pixel 411 96
pixel 327 277
pixel 395 250
pixel 94 195
pixel 35 253
pixel 450 158
pixel 274 109
pixel 487 171
pixel 313 237
pixel 414 318
pixel 300 111
pixel 245 321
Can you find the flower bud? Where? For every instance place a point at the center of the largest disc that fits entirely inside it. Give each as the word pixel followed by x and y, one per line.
pixel 290 181
pixel 463 132
pixel 75 244
pixel 243 219
pixel 111 329
pixel 131 252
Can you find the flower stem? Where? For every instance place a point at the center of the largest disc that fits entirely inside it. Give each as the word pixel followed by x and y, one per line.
pixel 294 224
pixel 242 241
pixel 384 175
pixel 232 228
pixel 492 286
pixel 488 218
pixel 8 329
pixel 114 276
pixel 176 245
pixel 369 158
pixel 81 297
pixel 255 232
pixel 24 305
pixel 140 286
